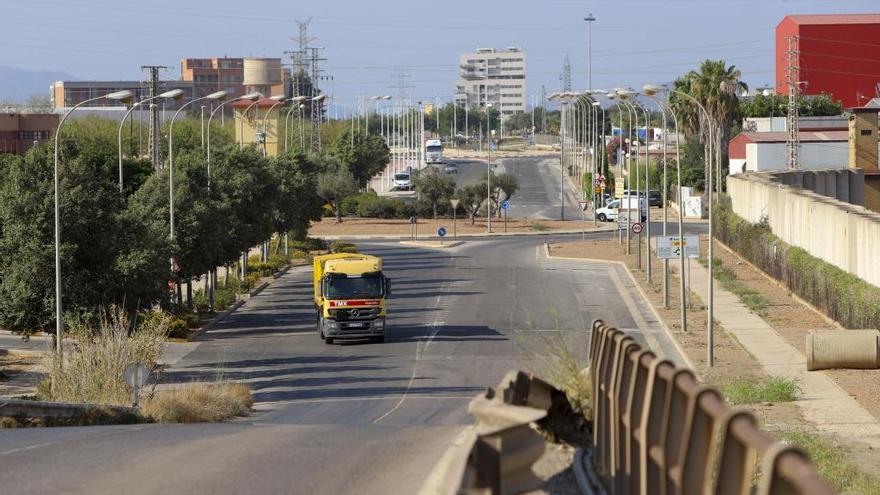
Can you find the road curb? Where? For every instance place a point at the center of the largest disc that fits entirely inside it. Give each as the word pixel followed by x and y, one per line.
pixel 380 237
pixel 675 343
pixel 424 244
pixel 586 478
pixel 193 335
pixel 451 465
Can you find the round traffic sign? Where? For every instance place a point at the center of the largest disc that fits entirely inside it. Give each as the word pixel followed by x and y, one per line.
pixel 636 228
pixel 505 205
pixel 441 231
pixel 136 374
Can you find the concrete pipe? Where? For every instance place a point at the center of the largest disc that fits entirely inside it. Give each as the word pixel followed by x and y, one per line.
pixel 843 349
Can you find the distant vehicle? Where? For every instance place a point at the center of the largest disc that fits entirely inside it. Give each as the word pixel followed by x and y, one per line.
pixel 451 168
pixel 655 198
pixel 350 291
pixel 614 208
pixel 433 151
pixel 402 181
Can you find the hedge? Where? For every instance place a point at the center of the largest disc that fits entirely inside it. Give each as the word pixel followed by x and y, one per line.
pixel 842 296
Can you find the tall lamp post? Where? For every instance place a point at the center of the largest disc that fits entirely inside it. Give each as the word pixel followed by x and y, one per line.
pixel 488 168
pixel 711 296
pixel 318 99
pixel 174 93
pixel 278 99
pixel 241 121
pixel 59 313
pixel 297 101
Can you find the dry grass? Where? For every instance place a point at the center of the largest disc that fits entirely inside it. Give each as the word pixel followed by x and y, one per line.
pixel 199 403
pixel 93 368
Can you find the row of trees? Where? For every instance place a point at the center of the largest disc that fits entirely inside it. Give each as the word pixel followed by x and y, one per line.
pixel 116 247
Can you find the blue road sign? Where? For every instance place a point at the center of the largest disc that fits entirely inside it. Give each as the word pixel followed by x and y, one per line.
pixel 441 231
pixel 505 205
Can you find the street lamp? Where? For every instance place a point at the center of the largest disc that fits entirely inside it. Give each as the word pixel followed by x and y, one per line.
pixel 59 320
pixel 317 99
pixel 241 121
pixel 711 296
pixel 174 93
pixel 488 168
pixel 297 100
pixel 249 97
pixel 278 99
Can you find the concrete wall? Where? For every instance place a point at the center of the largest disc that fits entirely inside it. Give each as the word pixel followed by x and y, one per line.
pixel 845 235
pixel 763 157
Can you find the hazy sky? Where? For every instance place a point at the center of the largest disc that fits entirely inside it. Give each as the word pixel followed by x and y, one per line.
pixel 367 42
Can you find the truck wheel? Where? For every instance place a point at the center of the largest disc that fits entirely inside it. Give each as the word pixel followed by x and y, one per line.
pixel 379 340
pixel 603 217
pixel 328 340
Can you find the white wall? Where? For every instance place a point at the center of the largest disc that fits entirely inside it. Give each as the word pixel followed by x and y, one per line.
pixel 845 235
pixel 768 157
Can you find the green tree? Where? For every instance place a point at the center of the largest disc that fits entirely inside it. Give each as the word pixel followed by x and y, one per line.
pixel 471 197
pixel 717 87
pixel 500 182
pixel 433 186
pixel 776 105
pixel 298 202
pixel 365 158
pixel 335 184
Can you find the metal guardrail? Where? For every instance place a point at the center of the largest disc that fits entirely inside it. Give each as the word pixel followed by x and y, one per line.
pixel 658 430
pixel 506 446
pixel 18 408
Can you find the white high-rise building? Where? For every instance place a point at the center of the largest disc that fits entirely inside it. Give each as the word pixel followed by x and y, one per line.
pixel 493 76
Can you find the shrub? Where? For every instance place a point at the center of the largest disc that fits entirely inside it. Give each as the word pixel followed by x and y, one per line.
pixel 376 207
pixel 178 328
pixel 342 247
pixel 199 402
pixel 301 255
pixel 308 244
pixel 839 294
pixel 94 368
pixel 224 297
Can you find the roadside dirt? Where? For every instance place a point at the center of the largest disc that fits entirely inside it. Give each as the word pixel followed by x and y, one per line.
pixel 18 375
pixel 554 467
pixel 793 320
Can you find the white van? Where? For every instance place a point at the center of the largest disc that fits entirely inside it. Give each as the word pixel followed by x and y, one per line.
pixel 402 181
pixel 611 210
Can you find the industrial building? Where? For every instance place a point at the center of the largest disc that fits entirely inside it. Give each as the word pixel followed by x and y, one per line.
pixel 19 132
pixel 834 54
pixel 65 94
pixel 261 124
pixel 492 76
pixel 232 75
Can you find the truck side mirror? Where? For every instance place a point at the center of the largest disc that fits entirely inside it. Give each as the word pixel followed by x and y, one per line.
pixel 387 287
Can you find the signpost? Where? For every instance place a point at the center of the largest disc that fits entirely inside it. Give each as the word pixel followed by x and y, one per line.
pixel 442 233
pixel 636 228
pixel 672 248
pixel 583 205
pixel 619 186
pixel 454 211
pixel 414 232
pixel 505 205
pixel 135 376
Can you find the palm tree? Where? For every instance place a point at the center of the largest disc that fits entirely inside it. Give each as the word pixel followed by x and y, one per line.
pixel 717 87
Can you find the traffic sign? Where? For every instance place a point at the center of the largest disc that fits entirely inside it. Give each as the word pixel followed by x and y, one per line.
pixel 598 189
pixel 441 231
pixel 671 247
pixel 136 374
pixel 583 205
pixel 454 203
pixel 619 186
pixel 636 228
pixel 505 205
pixel 602 186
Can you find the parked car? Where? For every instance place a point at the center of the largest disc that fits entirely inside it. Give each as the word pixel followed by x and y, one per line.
pixel 402 181
pixel 451 168
pixel 610 212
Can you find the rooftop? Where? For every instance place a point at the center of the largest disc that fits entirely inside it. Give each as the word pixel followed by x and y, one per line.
pixel 827 19
pixel 805 136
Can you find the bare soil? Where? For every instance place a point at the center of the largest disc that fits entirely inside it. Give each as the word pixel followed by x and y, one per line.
pixel 428 227
pixel 17 373
pixel 785 313
pixel 554 467
pixel 793 320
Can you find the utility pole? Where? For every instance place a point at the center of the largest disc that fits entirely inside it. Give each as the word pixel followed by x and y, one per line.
pixel 792 72
pixel 566 75
pixel 590 19
pixel 543 109
pixel 153 143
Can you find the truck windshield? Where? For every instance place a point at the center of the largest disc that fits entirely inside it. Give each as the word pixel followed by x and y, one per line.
pixel 434 149
pixel 401 176
pixel 354 288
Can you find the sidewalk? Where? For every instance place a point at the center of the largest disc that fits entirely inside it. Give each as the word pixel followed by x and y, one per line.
pixel 822 401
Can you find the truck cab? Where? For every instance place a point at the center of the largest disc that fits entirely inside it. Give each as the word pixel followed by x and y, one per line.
pixel 433 151
pixel 349 294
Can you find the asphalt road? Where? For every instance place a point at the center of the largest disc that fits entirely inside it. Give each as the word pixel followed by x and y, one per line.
pixel 351 418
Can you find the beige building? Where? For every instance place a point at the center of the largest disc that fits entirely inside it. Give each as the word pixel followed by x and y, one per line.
pixel 493 76
pixel 263 125
pixel 19 132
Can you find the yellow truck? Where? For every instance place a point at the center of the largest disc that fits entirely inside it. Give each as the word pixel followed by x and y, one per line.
pixel 350 293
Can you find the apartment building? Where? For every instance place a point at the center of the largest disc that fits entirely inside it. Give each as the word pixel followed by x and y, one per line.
pixel 493 76
pixel 214 74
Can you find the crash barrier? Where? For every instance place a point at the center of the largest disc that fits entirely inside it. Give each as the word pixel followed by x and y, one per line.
pixel 18 408
pixel 858 349
pixel 658 430
pixel 506 445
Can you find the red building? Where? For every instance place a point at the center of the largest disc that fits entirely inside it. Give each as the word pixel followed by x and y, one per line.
pixel 838 54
